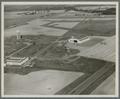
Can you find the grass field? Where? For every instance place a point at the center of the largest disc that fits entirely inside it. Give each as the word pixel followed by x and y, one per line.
pixel 56 51
pixel 11 18
pixel 91 42
pixel 34 28
pixel 86 65
pixel 38 43
pixel 93 28
pixel 83 64
pixel 12 45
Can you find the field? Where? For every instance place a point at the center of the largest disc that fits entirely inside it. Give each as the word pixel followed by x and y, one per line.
pixel 34 28
pixel 42 82
pixel 17 20
pixel 105 87
pixel 56 51
pixel 53 28
pixel 13 19
pixel 93 28
pixel 82 64
pixel 38 43
pixel 104 50
pixel 91 42
pixel 35 24
pixel 12 45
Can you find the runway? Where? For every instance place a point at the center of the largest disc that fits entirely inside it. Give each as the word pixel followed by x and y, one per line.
pixel 95 79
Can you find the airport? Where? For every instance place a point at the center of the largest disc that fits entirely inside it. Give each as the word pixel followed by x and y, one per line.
pixel 60 50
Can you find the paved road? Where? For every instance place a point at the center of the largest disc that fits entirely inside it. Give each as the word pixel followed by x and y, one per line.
pixel 88 82
pixel 81 87
pixel 87 85
pixel 72 85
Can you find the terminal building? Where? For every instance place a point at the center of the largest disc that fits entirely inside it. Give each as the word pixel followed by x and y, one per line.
pixel 18 61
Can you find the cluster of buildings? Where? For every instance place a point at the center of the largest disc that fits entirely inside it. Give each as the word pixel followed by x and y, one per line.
pixel 26 61
pixel 16 61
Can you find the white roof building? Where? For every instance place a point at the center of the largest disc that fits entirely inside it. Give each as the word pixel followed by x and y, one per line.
pixel 16 60
pixel 81 40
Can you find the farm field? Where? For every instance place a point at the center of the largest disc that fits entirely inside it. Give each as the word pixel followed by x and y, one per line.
pixel 16 20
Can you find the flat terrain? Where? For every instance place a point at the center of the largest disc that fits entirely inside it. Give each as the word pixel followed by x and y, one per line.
pixel 104 51
pixel 82 64
pixel 12 45
pixel 92 27
pixel 13 19
pixel 99 26
pixel 107 87
pixel 56 68
pixel 91 82
pixel 37 44
pixel 34 28
pixel 43 82
pixel 98 47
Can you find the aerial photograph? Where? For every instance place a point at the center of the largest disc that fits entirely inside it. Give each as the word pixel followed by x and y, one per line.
pixel 63 49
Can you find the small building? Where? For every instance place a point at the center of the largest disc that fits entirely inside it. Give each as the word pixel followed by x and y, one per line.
pixel 80 40
pixel 16 61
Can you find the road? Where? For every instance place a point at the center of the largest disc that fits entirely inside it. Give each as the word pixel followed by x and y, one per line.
pixel 81 87
pixel 72 85
pixel 84 85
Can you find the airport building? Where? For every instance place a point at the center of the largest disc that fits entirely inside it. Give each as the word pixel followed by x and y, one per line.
pixel 80 40
pixel 16 61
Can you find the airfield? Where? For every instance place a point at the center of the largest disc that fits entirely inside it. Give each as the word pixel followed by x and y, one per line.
pixel 82 70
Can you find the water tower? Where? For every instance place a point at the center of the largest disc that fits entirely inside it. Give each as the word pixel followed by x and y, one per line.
pixel 18 35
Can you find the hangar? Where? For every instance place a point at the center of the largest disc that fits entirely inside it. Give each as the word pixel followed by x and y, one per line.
pixel 80 40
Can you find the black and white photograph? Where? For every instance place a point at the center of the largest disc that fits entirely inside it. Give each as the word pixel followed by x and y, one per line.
pixel 65 49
